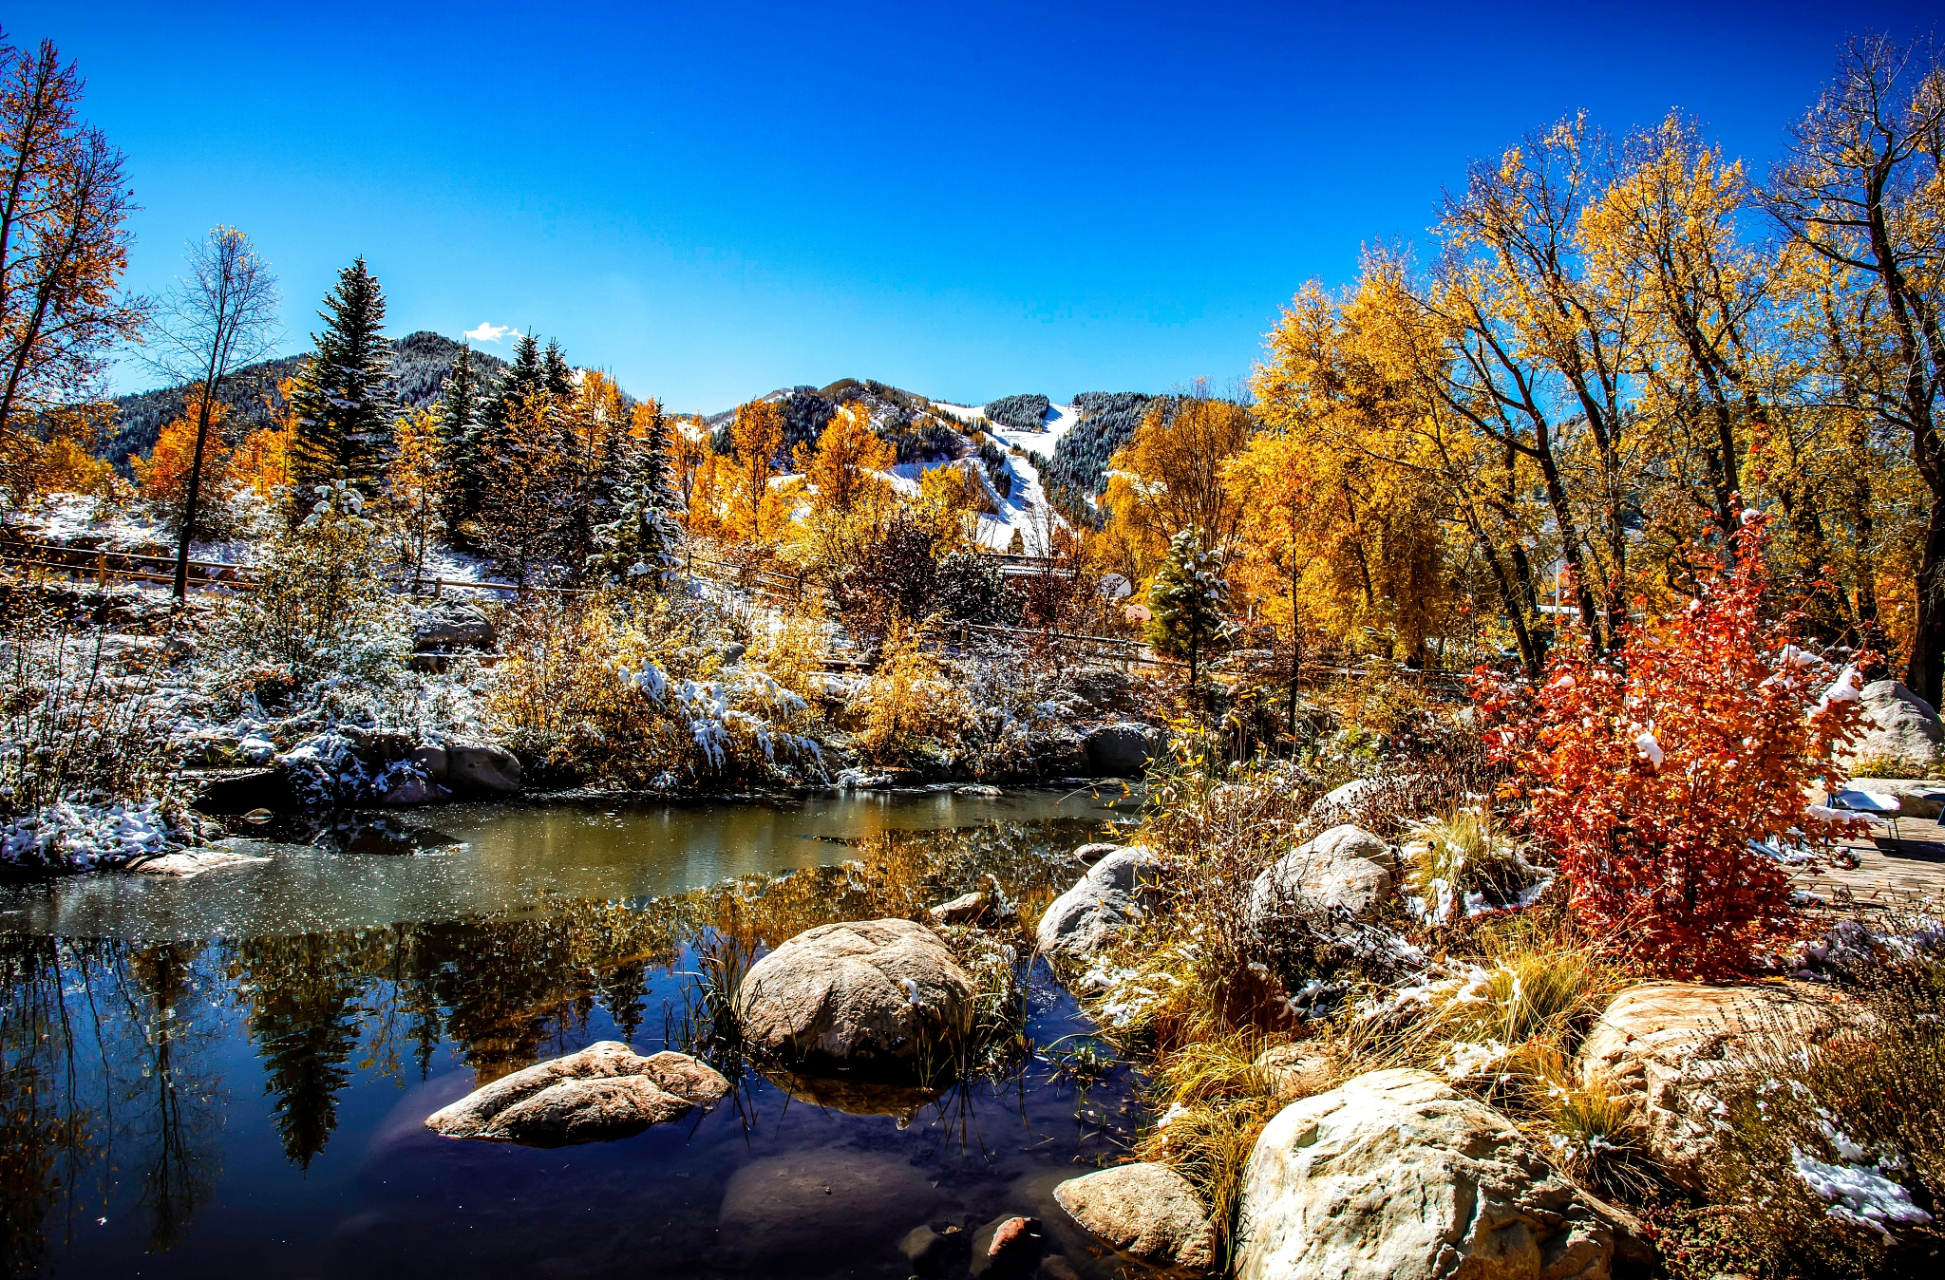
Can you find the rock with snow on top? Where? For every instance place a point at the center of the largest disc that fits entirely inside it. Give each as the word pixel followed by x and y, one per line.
pixel 1669 1045
pixel 448 625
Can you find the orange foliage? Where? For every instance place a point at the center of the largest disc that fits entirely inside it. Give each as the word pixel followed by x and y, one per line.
pixel 163 476
pixel 1650 771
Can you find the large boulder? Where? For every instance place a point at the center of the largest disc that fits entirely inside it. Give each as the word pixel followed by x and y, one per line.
pixel 1100 904
pixel 1396 1177
pixel 1148 1210
pixel 477 767
pixel 1670 1045
pixel 868 994
pixel 1346 869
pixel 1122 750
pixel 604 1091
pixel 448 625
pixel 1903 727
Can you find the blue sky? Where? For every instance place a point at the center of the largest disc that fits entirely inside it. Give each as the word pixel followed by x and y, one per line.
pixel 713 200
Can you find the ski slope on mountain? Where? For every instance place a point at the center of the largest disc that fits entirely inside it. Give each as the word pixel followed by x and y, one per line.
pixel 1028 504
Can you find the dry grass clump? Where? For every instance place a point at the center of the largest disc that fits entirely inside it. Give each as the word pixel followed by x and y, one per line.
pixel 1464 851
pixel 1213 1102
pixel 1836 1147
pixel 78 722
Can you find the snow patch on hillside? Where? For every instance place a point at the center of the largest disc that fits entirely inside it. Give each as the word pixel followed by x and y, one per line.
pixel 1024 509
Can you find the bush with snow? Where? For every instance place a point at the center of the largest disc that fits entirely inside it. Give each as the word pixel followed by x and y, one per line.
pixel 85 777
pixel 638 693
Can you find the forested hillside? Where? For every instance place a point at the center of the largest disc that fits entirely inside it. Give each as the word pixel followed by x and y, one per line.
pixel 420 363
pixel 1077 471
pixel 907 421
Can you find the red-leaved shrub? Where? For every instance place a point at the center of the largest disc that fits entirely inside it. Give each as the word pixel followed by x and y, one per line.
pixel 1649 771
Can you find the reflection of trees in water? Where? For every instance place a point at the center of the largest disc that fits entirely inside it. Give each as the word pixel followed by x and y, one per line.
pixel 173 1106
pixel 104 1046
pixel 102 1066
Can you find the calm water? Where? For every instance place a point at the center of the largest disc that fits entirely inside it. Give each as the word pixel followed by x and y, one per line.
pixel 227 1076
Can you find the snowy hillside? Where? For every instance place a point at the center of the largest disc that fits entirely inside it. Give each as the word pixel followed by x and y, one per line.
pixel 1024 508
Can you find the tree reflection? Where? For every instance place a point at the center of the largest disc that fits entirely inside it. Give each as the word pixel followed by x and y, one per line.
pixel 102 1065
pixel 173 1116
pixel 107 1049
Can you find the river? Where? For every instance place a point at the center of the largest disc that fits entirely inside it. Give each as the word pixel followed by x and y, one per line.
pixel 227 1075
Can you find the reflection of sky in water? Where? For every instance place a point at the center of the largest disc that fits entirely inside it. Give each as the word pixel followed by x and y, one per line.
pixel 502 856
pixel 248 1102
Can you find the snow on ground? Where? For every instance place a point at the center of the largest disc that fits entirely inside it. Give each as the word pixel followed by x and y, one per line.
pixel 1022 510
pixel 64 517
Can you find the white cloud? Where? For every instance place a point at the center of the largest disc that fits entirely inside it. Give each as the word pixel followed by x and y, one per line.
pixel 488 332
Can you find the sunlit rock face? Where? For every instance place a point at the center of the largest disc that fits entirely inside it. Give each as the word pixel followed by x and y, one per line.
pixel 867 995
pixel 1100 905
pixel 1148 1210
pixel 604 1091
pixel 1396 1177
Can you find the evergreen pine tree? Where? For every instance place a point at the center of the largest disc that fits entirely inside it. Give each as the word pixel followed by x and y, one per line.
pixel 343 405
pixel 558 374
pixel 1187 600
pixel 522 377
pixel 638 547
pixel 459 426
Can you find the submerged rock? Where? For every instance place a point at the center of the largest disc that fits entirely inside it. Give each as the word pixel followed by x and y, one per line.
pixel 1148 1210
pixel 933 1250
pixel 824 1203
pixel 1344 869
pixel 604 1091
pixel 1007 1246
pixel 868 993
pixel 1396 1177
pixel 855 1097
pixel 1099 905
pixel 1669 1044
pixel 185 863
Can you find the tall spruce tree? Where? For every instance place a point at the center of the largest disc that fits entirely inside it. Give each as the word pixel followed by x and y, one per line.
pixel 523 376
pixel 558 374
pixel 459 426
pixel 638 547
pixel 1187 598
pixel 343 403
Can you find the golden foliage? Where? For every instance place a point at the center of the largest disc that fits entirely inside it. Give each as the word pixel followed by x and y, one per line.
pixel 1168 478
pixel 842 470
